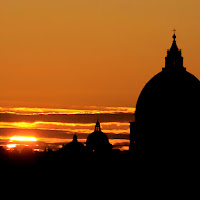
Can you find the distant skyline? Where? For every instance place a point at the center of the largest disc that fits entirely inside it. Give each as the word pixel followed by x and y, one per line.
pixel 54 127
pixel 60 54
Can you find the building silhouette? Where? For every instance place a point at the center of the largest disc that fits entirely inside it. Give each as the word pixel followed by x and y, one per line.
pixel 168 110
pixel 74 146
pixel 98 141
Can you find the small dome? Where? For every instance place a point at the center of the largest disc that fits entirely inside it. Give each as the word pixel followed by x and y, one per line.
pixel 98 141
pixel 74 146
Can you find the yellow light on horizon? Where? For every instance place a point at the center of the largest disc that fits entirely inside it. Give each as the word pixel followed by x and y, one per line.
pixel 23 138
pixel 11 146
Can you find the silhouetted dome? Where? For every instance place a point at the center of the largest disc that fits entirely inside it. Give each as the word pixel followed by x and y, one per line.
pixel 74 146
pixel 98 141
pixel 167 110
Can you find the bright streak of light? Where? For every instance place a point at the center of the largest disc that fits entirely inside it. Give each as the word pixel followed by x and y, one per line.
pixel 23 138
pixel 10 146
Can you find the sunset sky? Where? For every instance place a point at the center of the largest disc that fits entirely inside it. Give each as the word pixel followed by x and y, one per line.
pixel 73 54
pixel 84 52
pixel 54 127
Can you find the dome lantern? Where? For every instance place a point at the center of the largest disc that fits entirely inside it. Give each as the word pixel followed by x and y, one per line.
pixel 174 59
pixel 97 126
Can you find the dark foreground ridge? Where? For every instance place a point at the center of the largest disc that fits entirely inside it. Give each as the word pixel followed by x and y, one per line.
pixel 62 161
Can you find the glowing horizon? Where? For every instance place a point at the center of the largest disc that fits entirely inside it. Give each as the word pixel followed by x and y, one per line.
pixel 55 126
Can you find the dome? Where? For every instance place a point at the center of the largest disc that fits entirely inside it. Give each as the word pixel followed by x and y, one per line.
pixel 74 146
pixel 98 141
pixel 167 110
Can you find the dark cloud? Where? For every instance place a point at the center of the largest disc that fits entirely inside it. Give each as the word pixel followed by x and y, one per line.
pixel 68 118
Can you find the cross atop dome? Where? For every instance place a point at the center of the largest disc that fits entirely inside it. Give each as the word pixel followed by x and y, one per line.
pixel 174 45
pixel 174 31
pixel 174 36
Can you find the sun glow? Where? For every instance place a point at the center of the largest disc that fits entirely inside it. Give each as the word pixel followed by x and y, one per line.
pixel 10 146
pixel 23 138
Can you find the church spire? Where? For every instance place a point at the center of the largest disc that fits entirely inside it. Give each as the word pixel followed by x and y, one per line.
pixel 174 59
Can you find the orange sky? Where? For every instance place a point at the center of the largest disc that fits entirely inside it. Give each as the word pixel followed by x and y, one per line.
pixel 52 127
pixel 85 52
